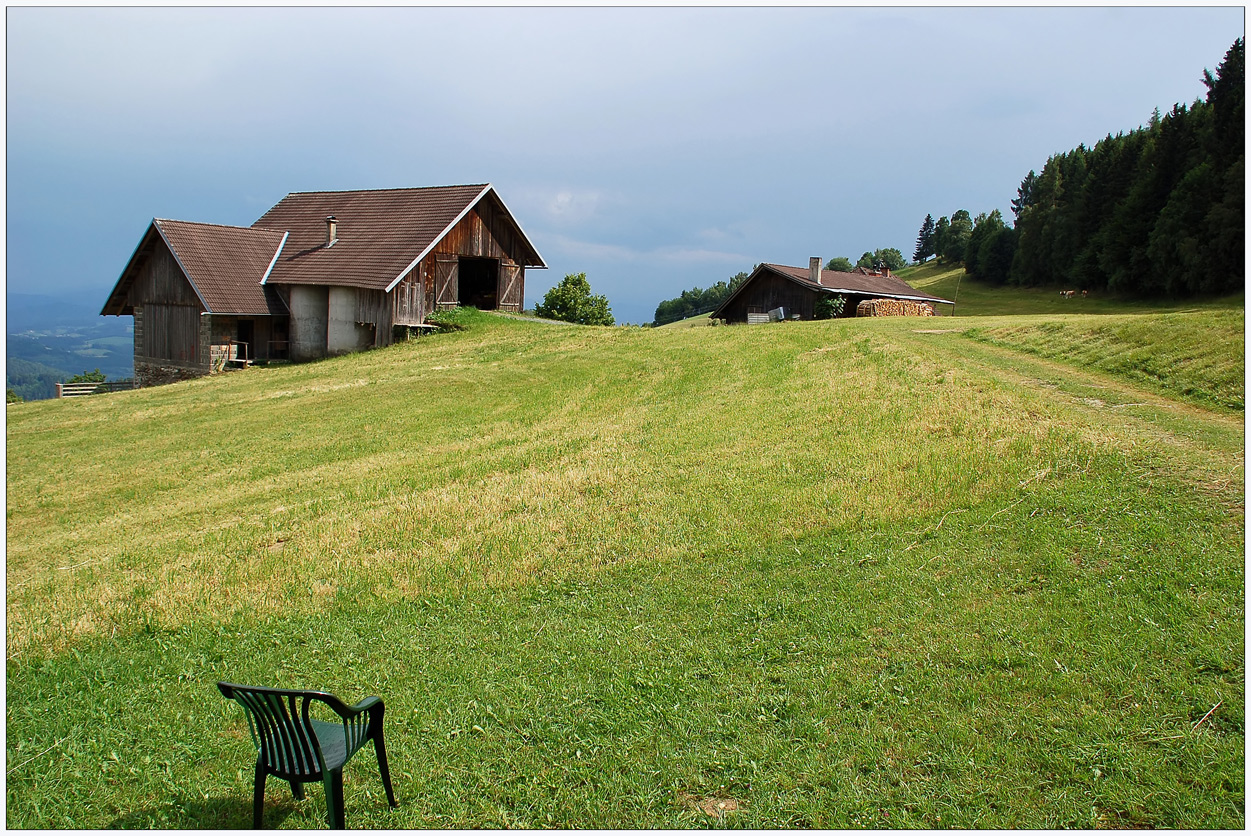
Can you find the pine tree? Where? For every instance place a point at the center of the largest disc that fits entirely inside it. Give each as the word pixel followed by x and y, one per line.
pixel 925 240
pixel 1024 194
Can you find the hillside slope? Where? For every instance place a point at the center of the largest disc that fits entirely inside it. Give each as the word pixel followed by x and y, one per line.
pixel 834 574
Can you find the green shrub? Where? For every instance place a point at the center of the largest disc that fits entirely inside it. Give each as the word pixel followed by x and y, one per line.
pixel 829 307
pixel 96 376
pixel 572 301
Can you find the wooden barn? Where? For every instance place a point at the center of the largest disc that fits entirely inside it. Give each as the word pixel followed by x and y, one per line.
pixel 796 290
pixel 321 273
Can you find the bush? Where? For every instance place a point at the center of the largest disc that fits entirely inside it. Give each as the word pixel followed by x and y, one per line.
pixel 88 377
pixel 572 301
pixel 829 307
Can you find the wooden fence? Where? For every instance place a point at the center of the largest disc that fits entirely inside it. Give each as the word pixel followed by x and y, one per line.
pixel 74 390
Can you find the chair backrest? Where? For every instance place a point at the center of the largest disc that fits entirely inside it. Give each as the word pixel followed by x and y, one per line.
pixel 281 729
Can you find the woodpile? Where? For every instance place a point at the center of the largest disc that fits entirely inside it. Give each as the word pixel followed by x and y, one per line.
pixel 893 307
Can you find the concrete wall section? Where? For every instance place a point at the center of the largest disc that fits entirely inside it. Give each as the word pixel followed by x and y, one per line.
pixel 309 320
pixel 343 334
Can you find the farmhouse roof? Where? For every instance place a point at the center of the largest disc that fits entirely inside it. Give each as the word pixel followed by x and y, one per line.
pixel 380 234
pixel 226 266
pixel 860 282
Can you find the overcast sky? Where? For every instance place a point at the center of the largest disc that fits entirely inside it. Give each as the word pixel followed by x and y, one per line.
pixel 654 149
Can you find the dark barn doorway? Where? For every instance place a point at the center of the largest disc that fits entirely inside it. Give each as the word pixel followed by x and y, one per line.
pixel 479 282
pixel 246 338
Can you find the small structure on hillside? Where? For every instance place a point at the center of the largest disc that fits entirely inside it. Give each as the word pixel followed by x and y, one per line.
pixel 796 291
pixel 321 273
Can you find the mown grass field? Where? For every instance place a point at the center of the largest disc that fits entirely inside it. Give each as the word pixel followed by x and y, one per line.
pixel 833 574
pixel 973 298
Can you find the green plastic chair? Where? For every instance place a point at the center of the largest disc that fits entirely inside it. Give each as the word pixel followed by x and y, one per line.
pixel 296 748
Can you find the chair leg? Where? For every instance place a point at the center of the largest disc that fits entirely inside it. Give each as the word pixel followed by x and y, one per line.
pixel 332 779
pixel 297 789
pixel 258 796
pixel 381 749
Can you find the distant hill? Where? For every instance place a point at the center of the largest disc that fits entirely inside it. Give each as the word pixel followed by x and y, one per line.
pixel 51 338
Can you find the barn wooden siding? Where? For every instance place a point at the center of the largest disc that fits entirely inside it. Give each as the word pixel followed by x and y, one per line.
pixel 771 291
pixel 170 312
pixel 374 308
pixel 482 233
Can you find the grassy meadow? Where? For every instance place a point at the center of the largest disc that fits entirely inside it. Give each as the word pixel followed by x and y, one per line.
pixel 857 573
pixel 974 298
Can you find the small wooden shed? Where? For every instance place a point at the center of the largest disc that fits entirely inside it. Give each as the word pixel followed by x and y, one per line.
pixel 796 290
pixel 197 295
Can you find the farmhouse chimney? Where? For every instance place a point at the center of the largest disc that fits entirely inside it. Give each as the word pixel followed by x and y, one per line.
pixel 332 230
pixel 814 269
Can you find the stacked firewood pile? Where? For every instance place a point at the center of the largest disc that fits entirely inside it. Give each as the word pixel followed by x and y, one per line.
pixel 893 307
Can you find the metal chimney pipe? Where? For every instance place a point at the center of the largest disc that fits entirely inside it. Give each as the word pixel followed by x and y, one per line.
pixel 814 269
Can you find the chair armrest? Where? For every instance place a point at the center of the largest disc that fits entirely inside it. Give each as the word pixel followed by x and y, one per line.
pixel 366 704
pixel 345 711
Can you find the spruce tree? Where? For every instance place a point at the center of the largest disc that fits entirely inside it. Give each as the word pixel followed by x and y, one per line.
pixel 925 240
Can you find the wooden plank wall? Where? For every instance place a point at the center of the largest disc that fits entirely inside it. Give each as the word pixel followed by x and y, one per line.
pixel 409 299
pixel 171 309
pixel 172 332
pixel 770 291
pixel 162 282
pixel 373 307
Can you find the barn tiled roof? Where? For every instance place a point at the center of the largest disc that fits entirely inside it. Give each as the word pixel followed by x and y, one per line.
pixel 859 282
pixel 381 233
pixel 226 264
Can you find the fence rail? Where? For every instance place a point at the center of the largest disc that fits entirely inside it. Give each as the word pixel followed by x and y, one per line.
pixel 75 390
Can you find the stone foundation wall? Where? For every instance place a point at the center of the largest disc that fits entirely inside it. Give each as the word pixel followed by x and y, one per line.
pixel 150 372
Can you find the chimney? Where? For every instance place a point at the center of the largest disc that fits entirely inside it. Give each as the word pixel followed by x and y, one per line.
pixel 332 230
pixel 814 269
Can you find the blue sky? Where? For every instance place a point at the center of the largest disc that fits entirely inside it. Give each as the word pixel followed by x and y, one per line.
pixel 654 149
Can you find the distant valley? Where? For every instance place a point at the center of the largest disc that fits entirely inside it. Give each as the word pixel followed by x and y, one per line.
pixel 52 338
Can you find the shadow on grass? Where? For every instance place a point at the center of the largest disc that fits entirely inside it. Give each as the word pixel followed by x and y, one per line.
pixel 227 813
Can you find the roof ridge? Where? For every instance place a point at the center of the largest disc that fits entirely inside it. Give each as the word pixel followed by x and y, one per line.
pixel 219 226
pixel 394 189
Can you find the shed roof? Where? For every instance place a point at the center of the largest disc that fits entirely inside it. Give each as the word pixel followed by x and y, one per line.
pixel 860 282
pixel 226 266
pixel 381 233
pixel 835 281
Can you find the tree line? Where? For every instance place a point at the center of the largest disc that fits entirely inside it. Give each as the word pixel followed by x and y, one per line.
pixel 1156 211
pixel 697 300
